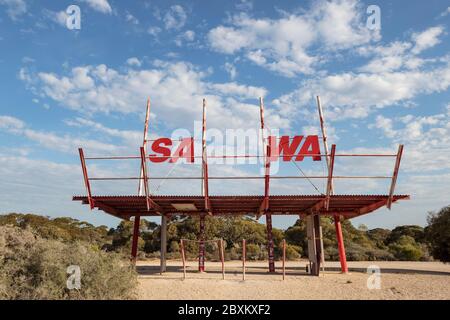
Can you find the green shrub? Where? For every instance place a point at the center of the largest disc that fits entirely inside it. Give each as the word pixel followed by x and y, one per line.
pixel 35 268
pixel 293 252
pixel 406 249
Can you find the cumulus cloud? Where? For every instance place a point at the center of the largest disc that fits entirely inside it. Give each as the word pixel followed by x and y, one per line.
pixel 59 17
pixel 176 90
pixel 134 62
pixel 14 8
pixel 62 143
pixel 288 45
pixel 356 95
pixel 426 39
pixel 175 18
pixel 102 6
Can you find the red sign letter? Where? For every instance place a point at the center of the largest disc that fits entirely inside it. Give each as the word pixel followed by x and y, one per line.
pixel 285 147
pixel 310 147
pixel 164 151
pixel 184 150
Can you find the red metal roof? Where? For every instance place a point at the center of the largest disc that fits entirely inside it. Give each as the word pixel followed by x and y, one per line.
pixel 349 206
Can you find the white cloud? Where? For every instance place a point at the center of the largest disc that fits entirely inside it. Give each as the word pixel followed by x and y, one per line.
pixel 62 143
pixel 187 36
pixel 134 62
pixel 446 12
pixel 355 95
pixel 131 18
pixel 14 8
pixel 426 39
pixel 57 17
pixel 289 45
pixel 102 6
pixel 154 31
pixel 232 88
pixel 176 90
pixel 175 18
pixel 231 69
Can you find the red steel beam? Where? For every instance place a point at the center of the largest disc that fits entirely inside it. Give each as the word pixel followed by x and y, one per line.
pixel 243 258
pixel 340 241
pixel 150 203
pixel 144 144
pixel 371 207
pixel 201 245
pixel 144 172
pixel 394 176
pixel 205 189
pixel 270 242
pixel 330 177
pixel 86 178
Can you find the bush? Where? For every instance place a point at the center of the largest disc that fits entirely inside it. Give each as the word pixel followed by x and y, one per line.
pixel 35 268
pixel 293 252
pixel 438 234
pixel 406 249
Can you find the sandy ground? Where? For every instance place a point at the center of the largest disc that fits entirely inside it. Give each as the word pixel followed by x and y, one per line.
pixel 398 280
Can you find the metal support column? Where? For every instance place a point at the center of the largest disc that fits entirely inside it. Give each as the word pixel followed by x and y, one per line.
pixel 201 246
pixel 340 241
pixel 270 242
pixel 134 243
pixel 163 243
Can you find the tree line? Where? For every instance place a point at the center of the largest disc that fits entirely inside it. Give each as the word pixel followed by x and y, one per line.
pixel 409 242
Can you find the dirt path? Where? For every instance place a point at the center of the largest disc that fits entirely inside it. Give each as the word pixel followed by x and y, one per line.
pixel 399 280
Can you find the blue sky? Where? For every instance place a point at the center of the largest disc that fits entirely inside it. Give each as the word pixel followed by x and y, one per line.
pixel 61 89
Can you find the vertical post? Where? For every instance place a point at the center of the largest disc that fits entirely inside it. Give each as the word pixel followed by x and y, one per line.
pixel 183 258
pixel 266 190
pixel 86 178
pixel 134 243
pixel 144 145
pixel 317 238
pixel 337 222
pixel 394 176
pixel 312 245
pixel 284 258
pixel 163 243
pixel 244 253
pixel 270 242
pixel 222 258
pixel 205 183
pixel 340 241
pixel 201 246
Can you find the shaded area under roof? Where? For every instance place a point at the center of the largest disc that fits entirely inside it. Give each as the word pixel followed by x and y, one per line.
pixel 348 206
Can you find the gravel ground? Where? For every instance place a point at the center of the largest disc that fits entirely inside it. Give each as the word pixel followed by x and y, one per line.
pixel 398 280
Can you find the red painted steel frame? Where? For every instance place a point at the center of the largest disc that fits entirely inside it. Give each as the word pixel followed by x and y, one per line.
pixel 284 258
pixel 330 177
pixel 86 178
pixel 144 171
pixel 144 143
pixel 134 244
pixel 244 253
pixel 205 162
pixel 340 241
pixel 265 204
pixel 394 176
pixel 201 246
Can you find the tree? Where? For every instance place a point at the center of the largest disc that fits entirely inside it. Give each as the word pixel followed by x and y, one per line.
pixel 438 234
